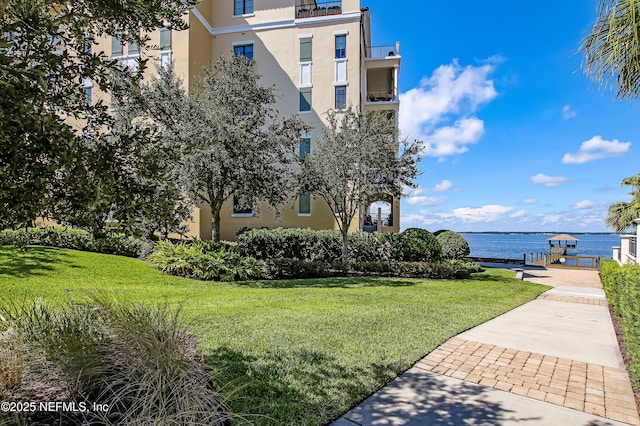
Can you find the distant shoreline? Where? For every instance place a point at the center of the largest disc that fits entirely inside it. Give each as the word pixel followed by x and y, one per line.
pixel 537 233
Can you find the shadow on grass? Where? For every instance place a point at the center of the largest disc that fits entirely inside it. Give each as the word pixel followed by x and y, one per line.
pixel 297 387
pixel 334 282
pixel 35 261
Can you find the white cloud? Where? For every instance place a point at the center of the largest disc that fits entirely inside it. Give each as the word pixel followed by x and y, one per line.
pixel 444 186
pixel 519 213
pixel 552 218
pixel 488 213
pixel 452 90
pixel 568 113
pixel 529 201
pixel 597 148
pixel 549 181
pixel 584 204
pixel 426 201
pixel 450 140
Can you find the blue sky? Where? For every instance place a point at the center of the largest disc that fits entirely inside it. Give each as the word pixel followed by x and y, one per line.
pixel 517 137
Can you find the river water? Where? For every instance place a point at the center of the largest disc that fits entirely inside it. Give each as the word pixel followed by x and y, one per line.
pixel 513 245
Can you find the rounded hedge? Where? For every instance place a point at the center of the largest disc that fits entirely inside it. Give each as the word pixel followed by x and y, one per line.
pixel 418 245
pixel 454 245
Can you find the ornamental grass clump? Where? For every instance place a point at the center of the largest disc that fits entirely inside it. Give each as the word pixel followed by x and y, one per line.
pixel 134 360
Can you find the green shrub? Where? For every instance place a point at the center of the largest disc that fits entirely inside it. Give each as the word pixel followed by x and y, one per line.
pixel 278 269
pixel 417 245
pixel 76 239
pixel 454 245
pixel 310 245
pixel 435 270
pixel 622 285
pixel 134 359
pixel 205 260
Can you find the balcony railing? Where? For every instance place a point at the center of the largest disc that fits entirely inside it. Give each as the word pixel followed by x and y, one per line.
pixel 381 52
pixel 319 9
pixel 380 95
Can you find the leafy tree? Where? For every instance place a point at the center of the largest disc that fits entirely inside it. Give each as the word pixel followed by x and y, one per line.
pixel 622 214
pixel 45 57
pixel 612 47
pixel 232 140
pixel 355 161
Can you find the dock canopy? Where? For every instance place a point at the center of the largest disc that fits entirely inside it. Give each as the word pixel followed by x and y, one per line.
pixel 559 244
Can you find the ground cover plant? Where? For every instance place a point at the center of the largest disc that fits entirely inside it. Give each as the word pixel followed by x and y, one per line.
pixel 622 285
pixel 289 351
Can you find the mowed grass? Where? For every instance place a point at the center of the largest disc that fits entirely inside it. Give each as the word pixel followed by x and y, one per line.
pixel 297 352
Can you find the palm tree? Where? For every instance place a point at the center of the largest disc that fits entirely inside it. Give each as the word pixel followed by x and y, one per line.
pixel 612 47
pixel 622 214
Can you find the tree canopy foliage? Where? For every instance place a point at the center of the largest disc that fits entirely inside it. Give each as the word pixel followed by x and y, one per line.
pixel 232 140
pixel 622 214
pixel 612 47
pixel 47 58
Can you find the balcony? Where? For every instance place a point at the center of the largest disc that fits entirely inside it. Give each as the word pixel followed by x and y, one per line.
pixel 315 10
pixel 382 52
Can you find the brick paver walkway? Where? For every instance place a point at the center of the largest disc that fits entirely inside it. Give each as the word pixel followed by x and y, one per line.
pixel 594 389
pixel 574 299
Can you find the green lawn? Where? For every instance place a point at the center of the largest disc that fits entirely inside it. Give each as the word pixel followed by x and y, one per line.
pixel 285 352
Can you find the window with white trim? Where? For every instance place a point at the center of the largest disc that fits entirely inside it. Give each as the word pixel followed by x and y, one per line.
pixel 341 97
pixel 341 46
pixel 245 50
pixel 305 99
pixel 165 47
pixel 242 7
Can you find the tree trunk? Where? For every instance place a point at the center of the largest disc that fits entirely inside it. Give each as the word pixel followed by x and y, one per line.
pixel 345 244
pixel 215 219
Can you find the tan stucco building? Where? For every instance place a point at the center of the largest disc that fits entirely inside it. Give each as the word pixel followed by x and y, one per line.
pixel 318 55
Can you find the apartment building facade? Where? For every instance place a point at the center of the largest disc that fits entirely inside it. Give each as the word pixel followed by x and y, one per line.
pixel 319 57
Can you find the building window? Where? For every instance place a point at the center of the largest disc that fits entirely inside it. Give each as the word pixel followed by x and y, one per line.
pixel 238 209
pixel 116 46
pixel 341 97
pixel 245 50
pixel 88 85
pixel 133 48
pixel 305 99
pixel 165 59
pixel 165 38
pixel 305 50
pixel 304 204
pixel 341 46
pixel 242 7
pixel 87 96
pixel 305 147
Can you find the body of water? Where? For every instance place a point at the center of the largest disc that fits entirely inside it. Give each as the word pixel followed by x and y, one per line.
pixel 513 246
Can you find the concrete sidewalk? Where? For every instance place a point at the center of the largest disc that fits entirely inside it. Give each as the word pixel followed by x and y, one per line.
pixel 552 361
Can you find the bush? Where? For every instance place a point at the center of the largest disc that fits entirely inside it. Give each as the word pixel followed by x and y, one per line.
pixel 436 270
pixel 315 246
pixel 76 239
pixel 417 245
pixel 278 269
pixel 205 260
pixel 622 285
pixel 134 359
pixel 454 245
